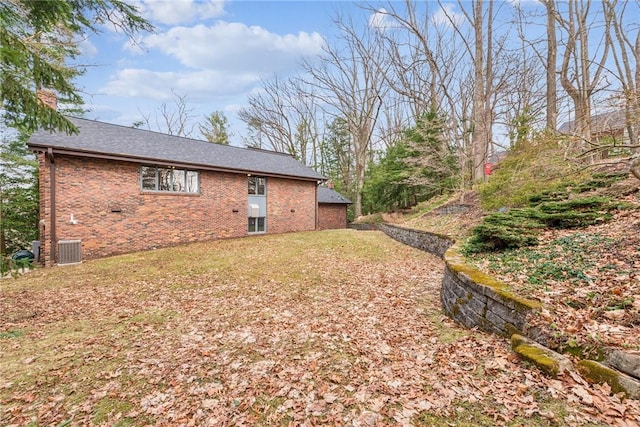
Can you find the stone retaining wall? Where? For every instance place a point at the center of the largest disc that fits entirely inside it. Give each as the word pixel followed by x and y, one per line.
pixel 468 295
pixel 452 209
pixel 362 226
pixel 475 299
pixel 423 240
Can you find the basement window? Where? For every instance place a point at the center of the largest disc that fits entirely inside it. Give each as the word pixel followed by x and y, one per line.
pixel 256 225
pixel 170 180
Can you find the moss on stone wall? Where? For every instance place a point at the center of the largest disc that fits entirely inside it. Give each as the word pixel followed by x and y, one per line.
pixel 539 358
pixel 456 263
pixel 599 373
pixel 550 362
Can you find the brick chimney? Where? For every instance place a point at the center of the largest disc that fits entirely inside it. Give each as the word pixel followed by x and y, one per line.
pixel 48 98
pixel 330 184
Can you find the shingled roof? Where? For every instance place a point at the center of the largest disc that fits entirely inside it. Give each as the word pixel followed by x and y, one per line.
pixel 600 123
pixel 328 195
pixel 105 140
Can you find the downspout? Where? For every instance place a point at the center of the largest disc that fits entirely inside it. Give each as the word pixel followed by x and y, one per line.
pixel 316 198
pixel 52 193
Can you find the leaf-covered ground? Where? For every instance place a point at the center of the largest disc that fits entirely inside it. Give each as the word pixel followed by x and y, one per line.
pixel 333 328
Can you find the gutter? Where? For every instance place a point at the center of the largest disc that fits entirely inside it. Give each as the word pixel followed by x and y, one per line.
pixel 164 162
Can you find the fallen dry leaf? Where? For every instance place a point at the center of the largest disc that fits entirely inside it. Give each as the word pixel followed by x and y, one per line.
pixel 338 328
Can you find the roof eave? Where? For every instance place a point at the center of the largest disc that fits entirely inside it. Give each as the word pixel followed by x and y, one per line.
pixel 163 162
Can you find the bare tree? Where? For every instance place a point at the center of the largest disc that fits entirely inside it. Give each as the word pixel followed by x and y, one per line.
pixel 546 50
pixel 580 73
pixel 411 67
pixel 350 86
pixel 308 123
pixel 286 117
pixel 550 66
pixel 520 100
pixel 427 70
pixel 392 123
pixel 268 110
pixel 480 50
pixel 625 51
pixel 173 119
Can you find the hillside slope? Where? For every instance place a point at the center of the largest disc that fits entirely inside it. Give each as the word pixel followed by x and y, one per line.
pixel 589 278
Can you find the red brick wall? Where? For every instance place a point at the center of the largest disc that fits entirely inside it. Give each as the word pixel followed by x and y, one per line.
pixel 92 189
pixel 291 205
pixel 332 215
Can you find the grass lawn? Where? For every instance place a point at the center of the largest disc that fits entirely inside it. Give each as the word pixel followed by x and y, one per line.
pixel 332 327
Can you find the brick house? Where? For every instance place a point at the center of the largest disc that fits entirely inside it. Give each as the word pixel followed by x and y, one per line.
pixel 113 189
pixel 332 209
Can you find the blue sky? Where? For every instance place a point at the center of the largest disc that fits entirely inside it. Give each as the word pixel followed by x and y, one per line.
pixel 211 52
pixel 214 53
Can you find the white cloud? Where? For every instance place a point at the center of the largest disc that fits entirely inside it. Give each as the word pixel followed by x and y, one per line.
pixel 197 85
pixel 446 15
pixel 224 59
pixel 234 47
pixel 214 65
pixel 234 108
pixel 169 12
pixel 380 20
pixel 174 12
pixel 524 2
pixel 86 47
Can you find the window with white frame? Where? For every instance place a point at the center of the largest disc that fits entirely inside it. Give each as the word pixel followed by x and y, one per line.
pixel 167 179
pixel 257 190
pixel 257 185
pixel 256 225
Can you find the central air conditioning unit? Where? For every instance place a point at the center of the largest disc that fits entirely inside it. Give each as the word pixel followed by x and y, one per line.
pixel 69 252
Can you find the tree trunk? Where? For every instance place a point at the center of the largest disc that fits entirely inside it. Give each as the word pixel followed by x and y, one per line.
pixel 577 67
pixel 480 115
pixel 634 119
pixel 635 167
pixel 347 79
pixel 632 111
pixel 552 53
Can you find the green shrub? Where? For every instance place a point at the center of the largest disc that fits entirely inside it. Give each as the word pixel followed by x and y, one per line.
pixel 561 193
pixel 540 187
pixel 575 213
pixel 523 218
pixel 600 180
pixel 518 227
pixel 505 230
pixel 10 266
pixel 492 237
